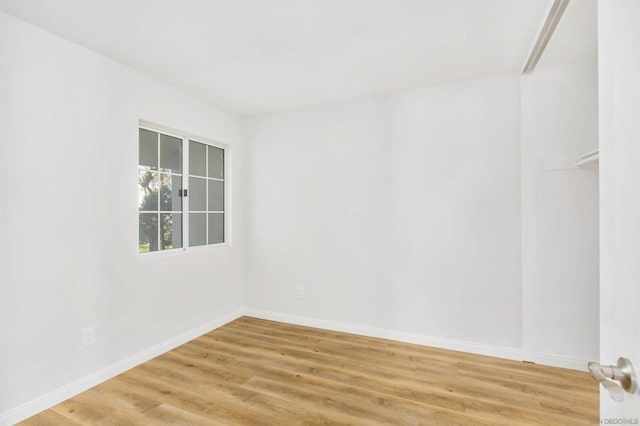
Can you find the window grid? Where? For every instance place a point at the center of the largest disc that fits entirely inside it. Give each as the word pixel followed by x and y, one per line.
pixel 204 214
pixel 184 176
pixel 159 183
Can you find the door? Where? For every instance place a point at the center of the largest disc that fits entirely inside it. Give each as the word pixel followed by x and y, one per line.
pixel 619 120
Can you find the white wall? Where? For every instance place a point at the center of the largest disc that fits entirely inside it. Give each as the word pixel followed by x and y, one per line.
pixel 70 251
pixel 560 215
pixel 397 212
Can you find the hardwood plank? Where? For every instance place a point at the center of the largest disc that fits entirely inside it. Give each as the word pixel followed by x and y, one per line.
pixel 407 352
pixel 49 418
pixel 207 381
pixel 167 414
pixel 256 372
pixel 438 382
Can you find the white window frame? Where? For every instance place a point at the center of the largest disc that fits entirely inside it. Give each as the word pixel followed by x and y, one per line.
pixel 186 137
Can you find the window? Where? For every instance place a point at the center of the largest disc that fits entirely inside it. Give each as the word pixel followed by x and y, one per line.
pixel 181 191
pixel 206 202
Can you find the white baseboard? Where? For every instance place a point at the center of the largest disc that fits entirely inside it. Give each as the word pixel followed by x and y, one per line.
pixel 515 354
pixel 63 393
pixel 401 336
pixel 562 361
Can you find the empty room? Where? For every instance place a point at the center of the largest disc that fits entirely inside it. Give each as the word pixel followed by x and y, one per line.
pixel 301 212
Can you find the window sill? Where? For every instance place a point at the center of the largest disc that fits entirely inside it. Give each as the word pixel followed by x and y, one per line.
pixel 181 251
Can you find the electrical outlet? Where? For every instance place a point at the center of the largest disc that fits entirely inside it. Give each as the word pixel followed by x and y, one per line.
pixel 88 336
pixel 300 293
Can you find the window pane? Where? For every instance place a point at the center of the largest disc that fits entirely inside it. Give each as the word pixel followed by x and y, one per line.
pixel 197 229
pixel 216 228
pixel 170 154
pixel 147 190
pixel 216 196
pixel 170 231
pixel 216 162
pixel 148 149
pixel 170 192
pixel 197 159
pixel 197 194
pixel 147 232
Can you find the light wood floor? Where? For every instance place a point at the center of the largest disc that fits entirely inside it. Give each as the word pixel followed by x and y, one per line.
pixel 256 372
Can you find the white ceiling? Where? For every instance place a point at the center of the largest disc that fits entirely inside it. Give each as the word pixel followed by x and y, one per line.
pixel 576 37
pixel 263 55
